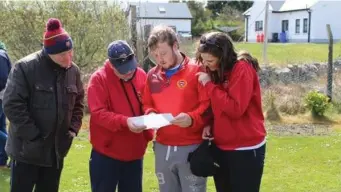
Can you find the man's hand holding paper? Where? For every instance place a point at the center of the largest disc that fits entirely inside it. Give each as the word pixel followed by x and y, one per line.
pixel 182 120
pixel 133 127
pixel 152 121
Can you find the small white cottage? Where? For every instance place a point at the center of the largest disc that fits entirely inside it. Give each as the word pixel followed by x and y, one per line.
pixel 301 20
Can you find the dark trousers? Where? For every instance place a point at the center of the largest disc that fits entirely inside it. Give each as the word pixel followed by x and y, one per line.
pixel 25 177
pixel 106 173
pixel 240 171
pixel 3 137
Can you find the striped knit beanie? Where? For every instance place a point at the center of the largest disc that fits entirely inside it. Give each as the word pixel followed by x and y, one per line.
pixel 56 39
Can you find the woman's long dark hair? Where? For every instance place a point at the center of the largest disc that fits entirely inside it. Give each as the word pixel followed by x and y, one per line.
pixel 220 45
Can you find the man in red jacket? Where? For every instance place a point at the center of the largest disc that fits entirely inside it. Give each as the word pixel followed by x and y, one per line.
pixel 114 95
pixel 172 87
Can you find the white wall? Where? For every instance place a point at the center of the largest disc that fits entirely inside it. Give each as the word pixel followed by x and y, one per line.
pixel 257 13
pixel 325 12
pixel 292 36
pixel 180 24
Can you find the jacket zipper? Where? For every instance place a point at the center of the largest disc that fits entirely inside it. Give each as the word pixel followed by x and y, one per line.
pixel 58 123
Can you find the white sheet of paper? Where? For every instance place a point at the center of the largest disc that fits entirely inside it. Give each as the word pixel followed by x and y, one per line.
pixel 154 121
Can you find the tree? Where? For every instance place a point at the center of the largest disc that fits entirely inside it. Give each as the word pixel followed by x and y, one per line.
pixel 91 24
pixel 217 6
pixel 201 17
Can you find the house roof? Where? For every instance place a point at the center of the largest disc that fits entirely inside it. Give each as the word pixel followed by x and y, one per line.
pixel 276 5
pixel 163 10
pixel 292 5
pixel 287 5
pixel 248 11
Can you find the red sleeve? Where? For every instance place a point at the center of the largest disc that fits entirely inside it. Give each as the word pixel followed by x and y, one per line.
pixel 97 100
pixel 147 100
pixel 202 115
pixel 235 100
pixel 148 134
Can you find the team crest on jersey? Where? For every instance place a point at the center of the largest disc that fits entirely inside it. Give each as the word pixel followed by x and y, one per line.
pixel 182 84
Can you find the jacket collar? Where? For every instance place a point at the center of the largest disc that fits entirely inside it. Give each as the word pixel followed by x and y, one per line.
pixel 183 65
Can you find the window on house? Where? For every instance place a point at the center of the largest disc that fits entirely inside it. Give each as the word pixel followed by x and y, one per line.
pixel 305 25
pixel 297 29
pixel 285 25
pixel 162 10
pixel 259 26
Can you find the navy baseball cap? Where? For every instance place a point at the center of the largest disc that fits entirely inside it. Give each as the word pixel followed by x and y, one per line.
pixel 122 56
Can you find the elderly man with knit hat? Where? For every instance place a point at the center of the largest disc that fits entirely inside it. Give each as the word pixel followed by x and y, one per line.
pixel 43 101
pixel 5 68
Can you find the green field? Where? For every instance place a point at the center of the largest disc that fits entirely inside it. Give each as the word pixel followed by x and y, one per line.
pixel 281 53
pixel 295 163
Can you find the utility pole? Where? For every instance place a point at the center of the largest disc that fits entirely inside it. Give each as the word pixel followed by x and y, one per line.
pixel 265 43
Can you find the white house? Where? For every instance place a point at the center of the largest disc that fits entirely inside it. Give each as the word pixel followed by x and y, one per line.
pixel 302 20
pixel 176 15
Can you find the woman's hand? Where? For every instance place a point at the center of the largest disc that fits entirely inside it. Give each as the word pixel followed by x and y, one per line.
pixel 203 78
pixel 206 134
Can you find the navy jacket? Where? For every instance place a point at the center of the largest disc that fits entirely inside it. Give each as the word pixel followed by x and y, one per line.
pixel 5 68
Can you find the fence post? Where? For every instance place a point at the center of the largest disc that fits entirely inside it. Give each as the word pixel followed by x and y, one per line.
pixel 133 27
pixel 330 63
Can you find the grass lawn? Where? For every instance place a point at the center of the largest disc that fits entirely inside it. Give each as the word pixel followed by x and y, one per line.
pixel 294 163
pixel 281 53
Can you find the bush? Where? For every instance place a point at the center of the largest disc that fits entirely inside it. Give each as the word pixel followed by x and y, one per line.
pixel 317 102
pixel 291 98
pixel 272 113
pixel 337 107
pixel 291 105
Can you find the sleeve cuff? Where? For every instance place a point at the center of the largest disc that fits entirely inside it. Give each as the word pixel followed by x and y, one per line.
pixel 148 134
pixel 124 121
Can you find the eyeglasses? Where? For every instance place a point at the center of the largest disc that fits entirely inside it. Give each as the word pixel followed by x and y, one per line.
pixel 209 41
pixel 123 58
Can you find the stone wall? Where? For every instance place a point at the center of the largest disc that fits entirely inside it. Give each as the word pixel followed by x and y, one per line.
pixel 294 73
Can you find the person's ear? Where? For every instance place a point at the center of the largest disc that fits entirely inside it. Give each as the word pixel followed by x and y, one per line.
pixel 175 46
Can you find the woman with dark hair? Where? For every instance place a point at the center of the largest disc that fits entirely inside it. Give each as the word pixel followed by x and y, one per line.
pixel 232 83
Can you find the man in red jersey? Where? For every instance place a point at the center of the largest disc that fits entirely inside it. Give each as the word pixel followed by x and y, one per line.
pixel 114 95
pixel 172 87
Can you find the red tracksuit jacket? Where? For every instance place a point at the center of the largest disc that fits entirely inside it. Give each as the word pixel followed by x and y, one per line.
pixel 237 109
pixel 109 110
pixel 181 93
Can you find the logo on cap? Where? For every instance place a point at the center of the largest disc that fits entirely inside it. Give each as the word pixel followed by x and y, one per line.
pixel 123 56
pixel 68 44
pixel 182 83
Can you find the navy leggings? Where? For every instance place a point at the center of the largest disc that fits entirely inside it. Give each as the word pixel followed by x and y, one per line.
pixel 107 173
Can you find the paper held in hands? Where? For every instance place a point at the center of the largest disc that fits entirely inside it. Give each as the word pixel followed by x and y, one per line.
pixel 153 121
